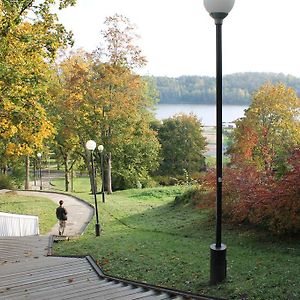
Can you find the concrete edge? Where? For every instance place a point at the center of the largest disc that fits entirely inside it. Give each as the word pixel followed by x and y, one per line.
pixel 158 289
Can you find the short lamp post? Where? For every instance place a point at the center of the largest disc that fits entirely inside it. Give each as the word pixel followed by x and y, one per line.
pixel 101 149
pixel 91 146
pixel 39 155
pixel 218 10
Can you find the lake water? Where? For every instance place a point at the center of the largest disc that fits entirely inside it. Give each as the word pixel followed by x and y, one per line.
pixel 206 113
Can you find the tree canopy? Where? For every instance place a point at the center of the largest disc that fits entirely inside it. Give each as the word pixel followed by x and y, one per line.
pixel 270 128
pixel 109 103
pixel 183 145
pixel 30 37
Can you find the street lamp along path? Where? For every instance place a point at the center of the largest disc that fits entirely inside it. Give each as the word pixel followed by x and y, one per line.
pixel 91 146
pixel 101 149
pixel 218 10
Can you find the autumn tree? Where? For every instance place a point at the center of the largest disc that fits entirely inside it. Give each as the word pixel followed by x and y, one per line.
pixel 183 145
pixel 261 187
pixel 270 129
pixel 107 102
pixel 72 110
pixel 124 99
pixel 30 37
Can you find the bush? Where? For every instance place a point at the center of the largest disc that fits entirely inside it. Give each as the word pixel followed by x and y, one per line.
pixel 186 179
pixel 196 196
pixel 18 175
pixel 169 180
pixel 261 199
pixel 6 182
pixel 121 182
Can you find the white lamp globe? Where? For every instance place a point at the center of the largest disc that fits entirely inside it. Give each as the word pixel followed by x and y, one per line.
pixel 100 148
pixel 39 155
pixel 218 6
pixel 90 145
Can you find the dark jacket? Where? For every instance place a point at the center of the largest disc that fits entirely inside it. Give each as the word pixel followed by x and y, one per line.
pixel 61 213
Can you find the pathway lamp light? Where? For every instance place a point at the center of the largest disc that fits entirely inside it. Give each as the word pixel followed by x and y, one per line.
pixel 91 146
pixel 101 151
pixel 218 10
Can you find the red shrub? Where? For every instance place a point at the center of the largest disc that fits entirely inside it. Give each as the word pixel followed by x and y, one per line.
pixel 260 199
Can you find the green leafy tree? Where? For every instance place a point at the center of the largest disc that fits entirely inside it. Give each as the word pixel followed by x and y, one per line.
pixel 108 104
pixel 123 99
pixel 182 145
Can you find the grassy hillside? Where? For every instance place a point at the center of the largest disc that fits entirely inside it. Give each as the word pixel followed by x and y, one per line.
pixel 146 238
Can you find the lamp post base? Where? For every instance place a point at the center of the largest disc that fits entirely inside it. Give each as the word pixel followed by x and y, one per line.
pixel 97 228
pixel 218 263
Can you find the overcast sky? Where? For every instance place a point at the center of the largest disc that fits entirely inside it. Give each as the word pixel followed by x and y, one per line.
pixel 178 36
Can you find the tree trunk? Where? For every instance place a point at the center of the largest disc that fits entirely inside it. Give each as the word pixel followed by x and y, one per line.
pixel 27 167
pixel 72 180
pixel 34 171
pixel 108 177
pixel 67 181
pixel 4 169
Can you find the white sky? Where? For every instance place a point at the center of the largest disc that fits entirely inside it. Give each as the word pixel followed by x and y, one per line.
pixel 178 36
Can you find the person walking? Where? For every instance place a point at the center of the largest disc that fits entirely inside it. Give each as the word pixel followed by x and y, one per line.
pixel 61 214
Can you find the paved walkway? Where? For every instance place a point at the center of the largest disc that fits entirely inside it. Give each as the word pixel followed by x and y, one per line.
pixel 79 212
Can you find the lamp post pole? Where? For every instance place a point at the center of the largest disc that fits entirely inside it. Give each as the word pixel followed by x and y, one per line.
pixel 91 145
pixel 219 152
pixel 218 10
pixel 39 155
pixel 101 148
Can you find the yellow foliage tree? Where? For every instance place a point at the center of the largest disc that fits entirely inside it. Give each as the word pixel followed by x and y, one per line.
pixel 27 47
pixel 270 129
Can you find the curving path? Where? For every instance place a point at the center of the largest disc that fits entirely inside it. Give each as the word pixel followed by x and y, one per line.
pixel 79 212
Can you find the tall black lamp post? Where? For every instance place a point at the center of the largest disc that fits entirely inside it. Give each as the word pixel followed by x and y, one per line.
pixel 100 149
pixel 218 10
pixel 91 146
pixel 39 155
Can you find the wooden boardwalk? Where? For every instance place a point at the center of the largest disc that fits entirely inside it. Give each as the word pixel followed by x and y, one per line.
pixel 27 273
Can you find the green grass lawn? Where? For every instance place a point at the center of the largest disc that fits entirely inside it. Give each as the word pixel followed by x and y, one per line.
pixel 80 184
pixel 146 238
pixel 28 205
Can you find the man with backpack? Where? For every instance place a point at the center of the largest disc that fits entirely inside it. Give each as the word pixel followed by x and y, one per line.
pixel 61 214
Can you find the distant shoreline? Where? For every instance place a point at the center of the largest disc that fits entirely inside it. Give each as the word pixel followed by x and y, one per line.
pixel 208 104
pixel 204 112
pixel 238 88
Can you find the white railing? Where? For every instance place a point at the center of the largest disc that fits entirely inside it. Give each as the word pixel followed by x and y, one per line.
pixel 18 225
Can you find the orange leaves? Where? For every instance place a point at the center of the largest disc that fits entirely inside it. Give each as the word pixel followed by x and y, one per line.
pixel 263 187
pixel 270 128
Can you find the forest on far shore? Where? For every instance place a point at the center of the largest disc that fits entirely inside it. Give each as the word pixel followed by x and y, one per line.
pixel 237 88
